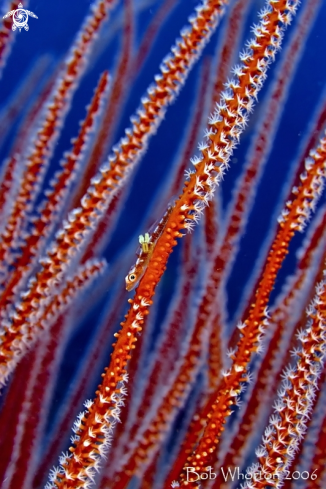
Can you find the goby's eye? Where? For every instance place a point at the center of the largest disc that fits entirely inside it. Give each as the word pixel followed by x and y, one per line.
pixel 132 277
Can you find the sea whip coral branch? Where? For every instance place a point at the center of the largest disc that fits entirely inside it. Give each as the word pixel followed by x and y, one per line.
pixel 9 185
pixel 225 128
pixel 112 105
pixel 76 230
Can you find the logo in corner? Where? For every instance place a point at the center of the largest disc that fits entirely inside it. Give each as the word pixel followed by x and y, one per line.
pixel 20 18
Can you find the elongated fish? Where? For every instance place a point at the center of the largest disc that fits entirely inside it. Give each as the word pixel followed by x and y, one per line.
pixel 147 246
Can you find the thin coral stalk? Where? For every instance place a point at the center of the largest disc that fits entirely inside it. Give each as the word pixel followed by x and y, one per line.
pixel 151 33
pixel 79 388
pixel 12 167
pixel 55 198
pixel 230 47
pixel 303 461
pixel 261 146
pixel 295 401
pixel 112 105
pixel 164 389
pixel 22 96
pixel 318 463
